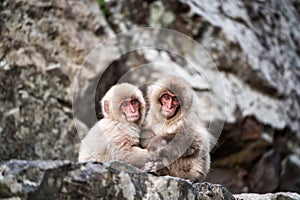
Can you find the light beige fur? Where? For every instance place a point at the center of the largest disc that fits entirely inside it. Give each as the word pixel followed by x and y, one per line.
pixel 113 137
pixel 180 143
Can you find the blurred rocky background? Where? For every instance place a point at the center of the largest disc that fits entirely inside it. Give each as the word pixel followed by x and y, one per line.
pixel 255 46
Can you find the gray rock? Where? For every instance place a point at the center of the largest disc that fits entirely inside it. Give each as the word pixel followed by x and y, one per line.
pixel 276 196
pixel 114 180
pixel 35 114
pixel 22 179
pixel 254 44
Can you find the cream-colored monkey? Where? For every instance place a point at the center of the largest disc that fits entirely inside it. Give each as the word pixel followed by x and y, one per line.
pixel 117 135
pixel 173 133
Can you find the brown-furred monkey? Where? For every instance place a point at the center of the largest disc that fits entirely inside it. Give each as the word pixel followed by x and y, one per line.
pixel 117 135
pixel 173 133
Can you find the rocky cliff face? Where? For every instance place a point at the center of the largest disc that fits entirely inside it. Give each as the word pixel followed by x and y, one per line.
pixel 254 46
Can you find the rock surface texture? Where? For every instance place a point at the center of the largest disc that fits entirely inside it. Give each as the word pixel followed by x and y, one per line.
pixel 254 45
pixel 114 180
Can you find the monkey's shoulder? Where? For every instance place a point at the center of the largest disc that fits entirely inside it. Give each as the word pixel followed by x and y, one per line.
pixel 117 128
pixel 105 121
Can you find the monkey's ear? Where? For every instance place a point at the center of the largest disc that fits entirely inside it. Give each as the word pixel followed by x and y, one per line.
pixel 106 106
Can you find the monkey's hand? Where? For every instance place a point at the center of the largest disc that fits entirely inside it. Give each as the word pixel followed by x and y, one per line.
pixel 153 163
pixel 158 142
pixel 154 167
pixel 157 168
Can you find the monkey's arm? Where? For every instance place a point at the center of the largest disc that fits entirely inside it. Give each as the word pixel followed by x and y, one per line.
pixel 194 168
pixel 125 147
pixel 163 150
pixel 174 146
pixel 158 142
pixel 90 148
pixel 145 138
pixel 84 154
pixel 135 156
pixel 193 164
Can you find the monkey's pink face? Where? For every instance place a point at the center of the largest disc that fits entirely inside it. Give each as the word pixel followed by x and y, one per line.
pixel 130 108
pixel 170 104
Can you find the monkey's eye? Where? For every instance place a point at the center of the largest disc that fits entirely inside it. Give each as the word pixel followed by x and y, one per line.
pixel 124 104
pixel 166 96
pixel 134 102
pixel 175 98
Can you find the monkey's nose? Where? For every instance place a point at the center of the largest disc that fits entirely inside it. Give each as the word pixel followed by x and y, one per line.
pixel 132 109
pixel 169 105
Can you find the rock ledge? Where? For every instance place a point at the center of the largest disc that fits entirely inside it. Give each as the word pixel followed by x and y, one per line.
pixel 113 180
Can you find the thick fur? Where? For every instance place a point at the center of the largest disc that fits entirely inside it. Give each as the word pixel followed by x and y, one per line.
pixel 115 95
pixel 113 137
pixel 181 143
